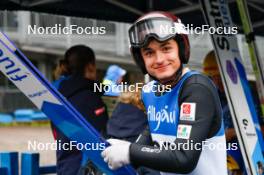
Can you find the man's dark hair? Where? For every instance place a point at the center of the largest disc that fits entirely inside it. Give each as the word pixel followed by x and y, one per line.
pixel 77 57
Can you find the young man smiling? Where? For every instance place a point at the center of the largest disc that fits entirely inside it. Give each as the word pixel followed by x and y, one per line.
pixel 190 114
pixel 161 60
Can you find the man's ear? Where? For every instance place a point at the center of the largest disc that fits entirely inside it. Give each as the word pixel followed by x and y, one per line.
pixel 91 67
pixel 90 71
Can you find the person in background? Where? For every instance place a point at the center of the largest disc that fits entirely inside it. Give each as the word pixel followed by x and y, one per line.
pixel 114 76
pixel 253 87
pixel 78 88
pixel 235 163
pixel 60 73
pixel 210 68
pixel 128 119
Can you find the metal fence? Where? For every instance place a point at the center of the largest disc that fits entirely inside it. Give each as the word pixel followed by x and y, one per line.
pixel 10 100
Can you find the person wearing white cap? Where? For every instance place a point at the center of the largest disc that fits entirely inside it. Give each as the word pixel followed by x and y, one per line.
pixel 114 76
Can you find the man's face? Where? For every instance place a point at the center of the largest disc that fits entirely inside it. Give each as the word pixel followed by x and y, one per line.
pixel 161 59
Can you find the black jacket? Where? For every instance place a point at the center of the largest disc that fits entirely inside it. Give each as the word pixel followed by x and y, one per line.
pixel 80 93
pixel 126 122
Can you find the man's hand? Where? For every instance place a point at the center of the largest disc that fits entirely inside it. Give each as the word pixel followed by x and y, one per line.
pixel 116 155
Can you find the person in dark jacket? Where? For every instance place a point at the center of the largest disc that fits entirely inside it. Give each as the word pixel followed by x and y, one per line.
pixel 60 73
pixel 78 89
pixel 128 119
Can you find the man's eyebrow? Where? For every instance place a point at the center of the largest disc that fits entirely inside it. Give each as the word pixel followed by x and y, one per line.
pixel 146 49
pixel 164 44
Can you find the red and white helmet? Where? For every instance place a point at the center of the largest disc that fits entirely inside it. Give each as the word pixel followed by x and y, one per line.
pixel 153 25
